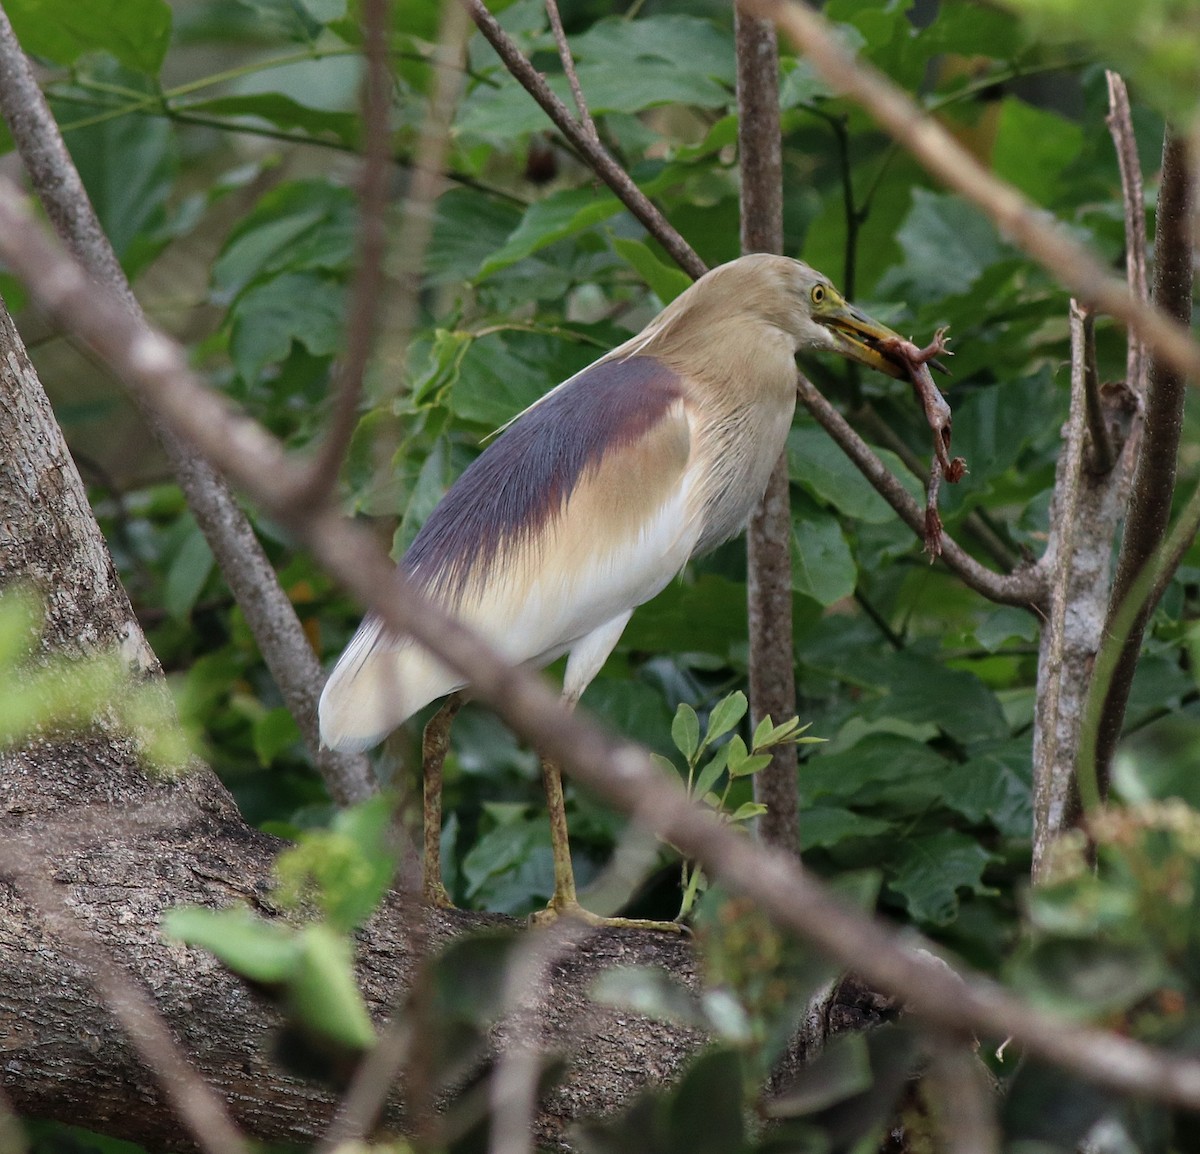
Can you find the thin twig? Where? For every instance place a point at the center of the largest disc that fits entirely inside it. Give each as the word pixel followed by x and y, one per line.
pixel 615 769
pixel 512 1093
pixel 1024 587
pixel 198 1107
pixel 1018 218
pixel 366 290
pixel 568 62
pixel 244 564
pixel 596 156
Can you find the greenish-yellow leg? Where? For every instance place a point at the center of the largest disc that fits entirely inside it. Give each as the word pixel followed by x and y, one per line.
pixel 434 745
pixel 564 903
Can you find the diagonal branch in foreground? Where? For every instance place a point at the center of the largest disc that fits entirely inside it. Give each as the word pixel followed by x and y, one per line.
pixel 615 769
pixel 593 152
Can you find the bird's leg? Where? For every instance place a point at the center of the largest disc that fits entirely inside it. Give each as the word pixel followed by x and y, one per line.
pixel 434 745
pixel 564 903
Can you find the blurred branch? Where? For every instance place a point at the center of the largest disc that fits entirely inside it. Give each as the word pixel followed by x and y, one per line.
pixel 964 1105
pixel 1018 218
pixel 1154 477
pixel 1024 587
pixel 367 287
pixel 772 672
pixel 594 154
pixel 614 769
pixel 244 564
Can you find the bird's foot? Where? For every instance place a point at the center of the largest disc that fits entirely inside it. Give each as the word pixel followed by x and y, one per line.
pixel 569 908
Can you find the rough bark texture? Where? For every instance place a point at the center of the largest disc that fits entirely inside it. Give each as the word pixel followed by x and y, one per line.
pixel 768 539
pixel 121 849
pixel 1084 516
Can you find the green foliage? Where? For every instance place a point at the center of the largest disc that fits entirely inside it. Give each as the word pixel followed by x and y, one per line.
pixel 337 876
pixel 42 697
pixel 730 761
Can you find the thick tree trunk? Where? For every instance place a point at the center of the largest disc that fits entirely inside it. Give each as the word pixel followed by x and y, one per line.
pixel 120 849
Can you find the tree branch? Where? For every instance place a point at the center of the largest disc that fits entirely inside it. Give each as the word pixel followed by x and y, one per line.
pixel 1026 587
pixel 769 535
pixel 593 153
pixel 267 609
pixel 1154 478
pixel 568 62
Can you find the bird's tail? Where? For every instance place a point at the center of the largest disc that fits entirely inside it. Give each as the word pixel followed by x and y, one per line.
pixel 378 683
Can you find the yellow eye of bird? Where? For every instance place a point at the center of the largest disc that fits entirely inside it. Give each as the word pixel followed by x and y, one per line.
pixel 818 294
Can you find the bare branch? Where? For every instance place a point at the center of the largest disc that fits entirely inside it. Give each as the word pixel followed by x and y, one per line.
pixel 1120 125
pixel 568 62
pixel 1056 726
pixel 363 311
pixel 1154 477
pixel 200 1109
pixel 596 157
pixel 1025 587
pixel 243 563
pixel 772 671
pixel 1016 216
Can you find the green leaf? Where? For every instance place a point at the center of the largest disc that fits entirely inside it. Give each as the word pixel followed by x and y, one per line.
pixel 822 565
pixel 725 715
pixel 297 226
pixel 747 810
pixel 707 777
pixel 947 245
pixel 650 991
pixel 827 825
pixel 930 871
pixel 187 575
pixel 707 1113
pixel 748 765
pixel 280 110
pixel 818 464
pixel 135 32
pixel 664 280
pixel 842 1070
pixel 864 773
pixel 995 786
pixel 1033 148
pixel 1086 979
pixel 300 308
pixel 559 215
pixel 323 991
pixel 257 949
pixel 685 730
pixel 274 732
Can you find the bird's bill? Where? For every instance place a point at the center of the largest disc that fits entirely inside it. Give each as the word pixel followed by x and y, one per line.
pixel 857 336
